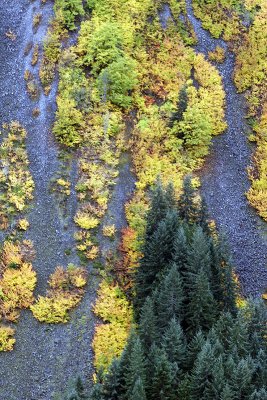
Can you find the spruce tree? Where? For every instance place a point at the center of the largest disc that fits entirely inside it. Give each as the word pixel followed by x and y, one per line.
pixel 180 248
pixel 187 206
pixel 112 387
pixel 136 368
pixel 148 324
pixel 174 343
pixel 227 393
pixel 260 394
pixel 241 378
pixel 170 298
pixel 161 202
pixel 202 308
pixel 157 255
pixel 162 380
pixel 138 392
pixel 194 347
pixel 202 375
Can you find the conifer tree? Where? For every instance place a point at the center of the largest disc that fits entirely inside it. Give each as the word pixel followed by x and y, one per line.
pixel 188 208
pixel 201 308
pixel 112 388
pixel 227 393
pixel 194 347
pixel 170 298
pixel 260 394
pixel 138 392
pixel 241 378
pixel 161 202
pixel 148 324
pixel 136 368
pixel 180 247
pixel 202 377
pixel 162 380
pixel 157 255
pixel 174 343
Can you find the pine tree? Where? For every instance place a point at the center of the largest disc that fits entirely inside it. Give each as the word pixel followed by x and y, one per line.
pixel 180 248
pixel 194 348
pixel 148 324
pixel 157 255
pixel 227 393
pixel 138 392
pixel 161 202
pixel 112 388
pixel 202 376
pixel 203 217
pixel 198 253
pixel 136 368
pixel 174 343
pixel 202 308
pixel 188 209
pixel 77 392
pixel 241 378
pixel 170 298
pixel 260 373
pixel 162 380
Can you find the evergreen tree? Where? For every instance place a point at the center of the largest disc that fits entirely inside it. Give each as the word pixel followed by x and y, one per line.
pixel 170 298
pixel 136 368
pixel 227 393
pixel 157 255
pixel 138 392
pixel 194 348
pixel 77 392
pixel 112 387
pixel 202 377
pixel 180 247
pixel 188 208
pixel 162 381
pixel 161 202
pixel 202 308
pixel 241 378
pixel 148 324
pixel 174 343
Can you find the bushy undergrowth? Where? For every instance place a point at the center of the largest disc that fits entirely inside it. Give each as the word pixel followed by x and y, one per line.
pixel 16 183
pixel 66 290
pixel 221 18
pixel 111 336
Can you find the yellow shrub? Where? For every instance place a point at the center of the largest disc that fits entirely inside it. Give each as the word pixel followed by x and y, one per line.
pixel 23 224
pixel 7 340
pixel 109 230
pixel 54 310
pixel 86 221
pixel 108 343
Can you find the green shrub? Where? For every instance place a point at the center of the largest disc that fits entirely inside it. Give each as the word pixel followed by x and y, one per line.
pixel 70 10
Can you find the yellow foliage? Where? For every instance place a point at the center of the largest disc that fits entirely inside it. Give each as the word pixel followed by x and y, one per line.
pixel 110 338
pixel 109 230
pixel 23 224
pixel 7 340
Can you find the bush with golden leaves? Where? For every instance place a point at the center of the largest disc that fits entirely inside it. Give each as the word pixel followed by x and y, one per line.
pixel 66 291
pixel 7 340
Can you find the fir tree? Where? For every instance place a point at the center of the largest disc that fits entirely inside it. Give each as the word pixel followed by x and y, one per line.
pixel 170 298
pixel 201 308
pixel 194 348
pixel 157 255
pixel 112 387
pixel 188 209
pixel 180 248
pixel 162 380
pixel 148 324
pixel 260 394
pixel 138 392
pixel 174 343
pixel 136 368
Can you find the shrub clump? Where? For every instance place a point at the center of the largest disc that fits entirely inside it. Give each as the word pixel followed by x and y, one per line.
pixel 66 291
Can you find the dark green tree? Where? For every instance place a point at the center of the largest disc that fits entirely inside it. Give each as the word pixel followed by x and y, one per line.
pixel 187 205
pixel 170 298
pixel 174 343
pixel 112 387
pixel 148 324
pixel 158 252
pixel 136 368
pixel 162 380
pixel 138 392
